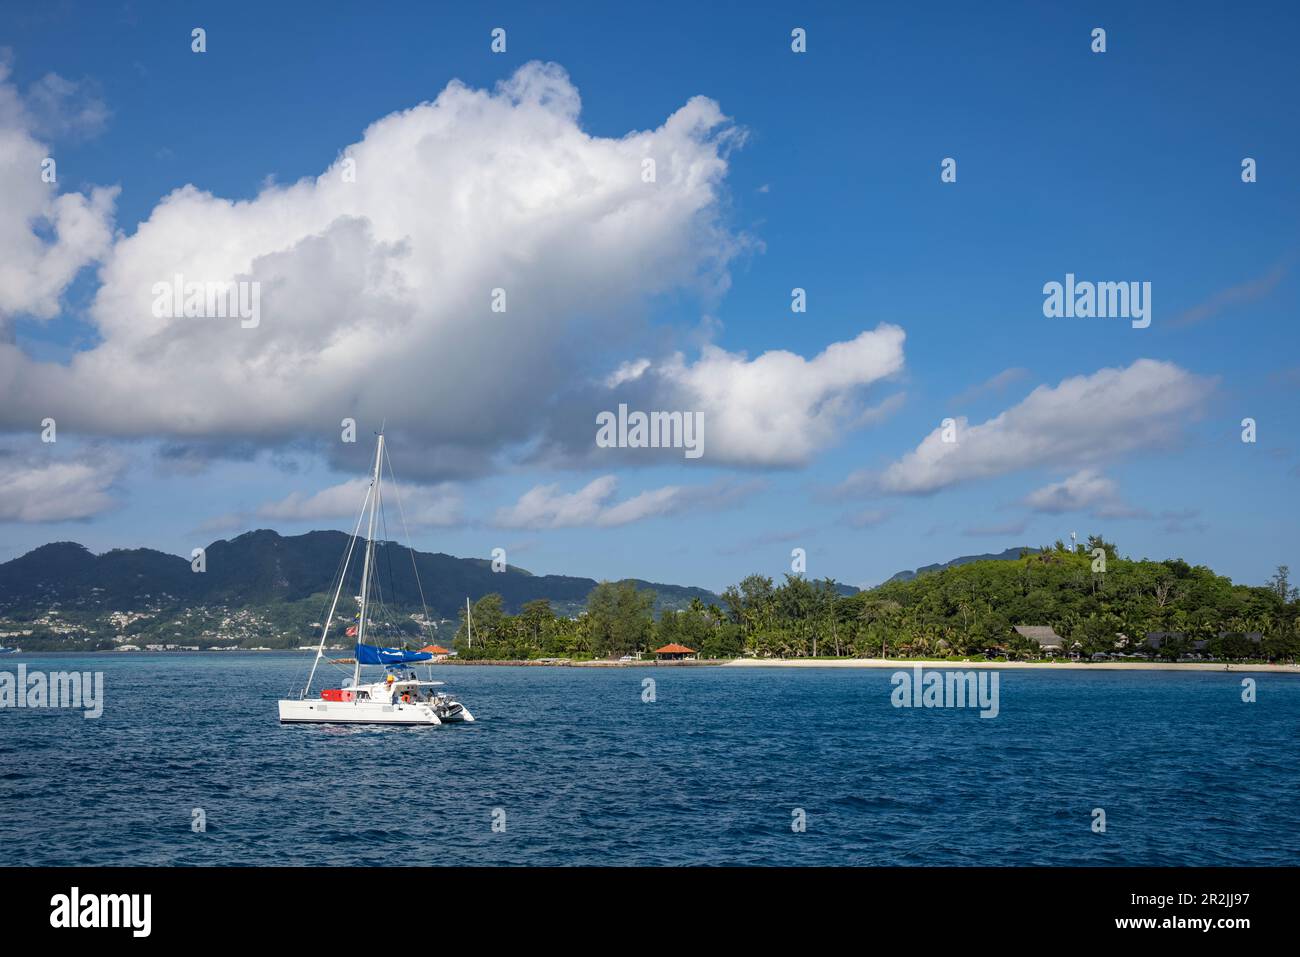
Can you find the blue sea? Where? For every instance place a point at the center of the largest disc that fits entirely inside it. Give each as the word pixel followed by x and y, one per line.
pixel 581 770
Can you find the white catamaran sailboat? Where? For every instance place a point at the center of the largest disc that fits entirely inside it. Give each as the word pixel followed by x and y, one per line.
pixel 400 698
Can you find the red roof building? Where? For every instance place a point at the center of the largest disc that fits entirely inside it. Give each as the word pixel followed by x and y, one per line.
pixel 674 652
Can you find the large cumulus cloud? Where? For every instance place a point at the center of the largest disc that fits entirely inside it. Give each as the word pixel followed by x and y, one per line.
pixel 376 293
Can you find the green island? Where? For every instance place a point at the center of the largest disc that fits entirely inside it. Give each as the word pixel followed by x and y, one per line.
pixel 1089 604
pixel 1168 610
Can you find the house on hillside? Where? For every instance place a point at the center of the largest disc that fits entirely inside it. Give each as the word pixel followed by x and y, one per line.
pixel 1049 642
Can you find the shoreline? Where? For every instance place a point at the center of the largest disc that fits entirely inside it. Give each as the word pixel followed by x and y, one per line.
pixel 939 663
pixel 894 664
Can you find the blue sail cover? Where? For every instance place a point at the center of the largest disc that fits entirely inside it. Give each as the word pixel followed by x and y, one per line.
pixel 372 655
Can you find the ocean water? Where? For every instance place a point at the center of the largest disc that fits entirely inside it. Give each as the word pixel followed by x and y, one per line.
pixel 711 772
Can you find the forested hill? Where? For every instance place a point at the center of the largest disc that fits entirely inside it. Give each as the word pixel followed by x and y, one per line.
pixel 1008 555
pixel 966 610
pixel 972 606
pixel 264 567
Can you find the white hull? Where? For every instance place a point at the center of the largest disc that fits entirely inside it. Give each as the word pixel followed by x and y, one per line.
pixel 310 711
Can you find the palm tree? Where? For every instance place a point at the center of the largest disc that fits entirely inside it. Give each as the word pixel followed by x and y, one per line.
pixel 883 612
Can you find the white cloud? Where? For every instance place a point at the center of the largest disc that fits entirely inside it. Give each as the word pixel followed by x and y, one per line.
pixel 421 505
pixel 60 107
pixel 780 408
pixel 545 506
pixel 777 409
pixel 628 371
pixel 384 284
pixel 58 490
pixel 45 238
pixel 1085 489
pixel 1083 421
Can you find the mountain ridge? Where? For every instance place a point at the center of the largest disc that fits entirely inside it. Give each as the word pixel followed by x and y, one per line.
pixel 264 566
pixel 1009 554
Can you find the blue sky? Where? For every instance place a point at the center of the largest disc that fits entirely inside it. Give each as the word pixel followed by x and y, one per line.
pixel 1115 166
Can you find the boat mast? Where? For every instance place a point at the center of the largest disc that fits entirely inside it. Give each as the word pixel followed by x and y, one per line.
pixel 343 575
pixel 469 622
pixel 370 548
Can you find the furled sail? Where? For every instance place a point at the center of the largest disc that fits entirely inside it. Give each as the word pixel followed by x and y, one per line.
pixel 373 655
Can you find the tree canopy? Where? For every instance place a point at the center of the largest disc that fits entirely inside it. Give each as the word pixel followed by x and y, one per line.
pixel 1093 598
